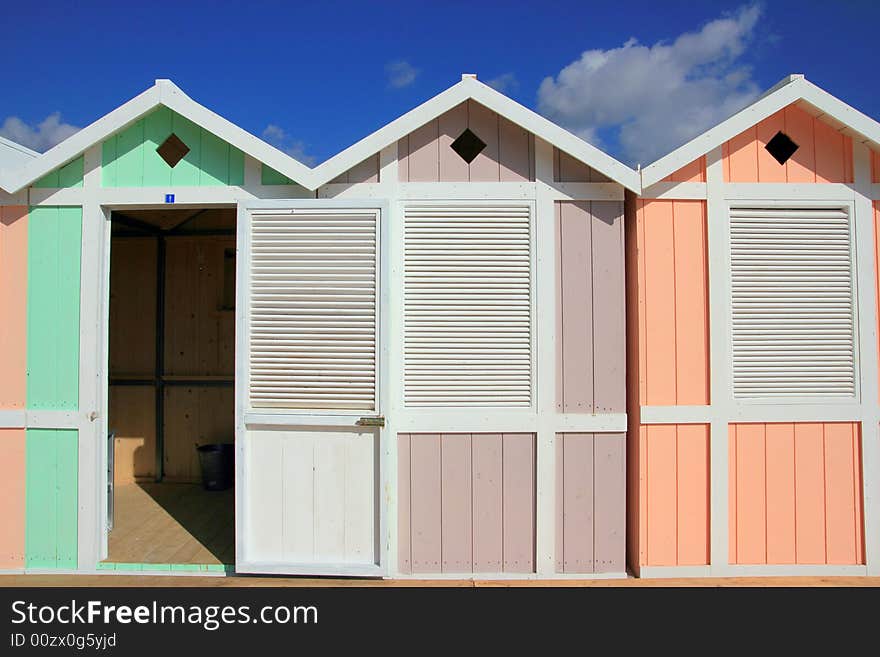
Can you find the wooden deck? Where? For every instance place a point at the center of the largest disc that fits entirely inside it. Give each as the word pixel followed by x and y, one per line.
pixel 173 524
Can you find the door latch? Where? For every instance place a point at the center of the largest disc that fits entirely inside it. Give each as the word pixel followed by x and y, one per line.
pixel 371 421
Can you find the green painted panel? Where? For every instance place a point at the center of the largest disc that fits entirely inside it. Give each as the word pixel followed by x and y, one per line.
pixel 51 491
pixel 54 247
pixel 70 175
pixel 129 158
pixel 269 176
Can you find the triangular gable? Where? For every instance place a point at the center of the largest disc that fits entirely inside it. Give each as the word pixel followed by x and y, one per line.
pixel 794 89
pixel 471 89
pixel 163 93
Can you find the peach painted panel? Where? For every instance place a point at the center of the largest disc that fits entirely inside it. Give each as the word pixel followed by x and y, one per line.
pixel 673 303
pixel 796 494
pixel 693 172
pixel 824 155
pixel 875 166
pixel 13 304
pixel 425 155
pixel 12 497
pixel 674 471
pixel 467 503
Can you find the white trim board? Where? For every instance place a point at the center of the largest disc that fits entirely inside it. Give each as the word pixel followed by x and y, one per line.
pixel 793 89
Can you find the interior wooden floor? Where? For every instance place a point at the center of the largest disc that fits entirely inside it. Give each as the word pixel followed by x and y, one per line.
pixel 172 524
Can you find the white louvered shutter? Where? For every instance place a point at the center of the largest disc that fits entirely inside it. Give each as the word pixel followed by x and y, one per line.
pixel 468 306
pixel 792 301
pixel 313 310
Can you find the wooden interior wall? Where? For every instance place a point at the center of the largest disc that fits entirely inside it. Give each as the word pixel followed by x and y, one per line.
pixel 199 345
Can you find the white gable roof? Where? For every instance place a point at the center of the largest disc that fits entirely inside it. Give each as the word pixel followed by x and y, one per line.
pixel 166 93
pixel 792 89
pixel 14 155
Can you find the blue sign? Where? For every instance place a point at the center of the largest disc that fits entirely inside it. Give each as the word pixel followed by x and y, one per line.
pixel 169 198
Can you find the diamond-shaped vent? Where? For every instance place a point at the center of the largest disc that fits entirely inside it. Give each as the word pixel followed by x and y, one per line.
pixel 172 150
pixel 781 147
pixel 468 145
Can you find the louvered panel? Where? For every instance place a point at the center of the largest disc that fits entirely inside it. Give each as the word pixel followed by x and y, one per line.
pixel 792 302
pixel 468 306
pixel 313 310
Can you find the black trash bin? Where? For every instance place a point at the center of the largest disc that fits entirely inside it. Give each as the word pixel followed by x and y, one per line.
pixel 218 465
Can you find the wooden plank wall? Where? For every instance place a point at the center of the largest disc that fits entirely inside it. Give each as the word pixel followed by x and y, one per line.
pixel 590 503
pixel 674 495
pixel 54 252
pixel 51 500
pixel 693 172
pixel 69 175
pixel 13 306
pixel 12 497
pixel 795 494
pixel 363 172
pixel 877 269
pixel 425 154
pixel 673 303
pixel 590 310
pixel 875 166
pixel 568 169
pixel 467 503
pixel 824 154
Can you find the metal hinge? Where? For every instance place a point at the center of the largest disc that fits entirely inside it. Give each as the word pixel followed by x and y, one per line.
pixel 371 421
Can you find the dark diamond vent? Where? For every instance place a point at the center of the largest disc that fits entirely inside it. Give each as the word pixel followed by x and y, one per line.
pixel 468 145
pixel 781 147
pixel 172 150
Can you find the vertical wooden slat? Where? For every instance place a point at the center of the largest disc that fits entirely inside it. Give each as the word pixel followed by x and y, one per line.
pixel 609 346
pixel 731 493
pixel 751 506
pixel 578 517
pixel 660 303
pixel 642 301
pixel 404 495
pixel 12 498
pixel 691 303
pixel 801 167
pixel 642 496
pixel 661 492
pixel 518 454
pixel 483 122
pixel 157 128
pixel 359 498
pixel 41 531
pixel 568 169
pixel 214 161
pixel 840 503
pixel 514 152
pixel 67 508
pixel 187 172
pixel 859 519
pixel 456 503
pixel 609 495
pixel 559 485
pixel 450 125
pixel 769 170
pixel 298 495
pixel 781 545
pixel 488 505
pixel 809 493
pixel 330 479
pixel 366 171
pixel 264 541
pixel 129 161
pixel 742 157
pixel 426 503
pixel 13 305
pixel 692 509
pixel 403 159
pixel 424 156
pixel 577 313
pixel 560 328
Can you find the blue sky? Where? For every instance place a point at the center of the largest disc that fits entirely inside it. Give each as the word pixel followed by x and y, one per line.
pixel 314 77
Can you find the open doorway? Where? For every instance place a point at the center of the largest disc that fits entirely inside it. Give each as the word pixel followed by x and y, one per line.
pixel 171 378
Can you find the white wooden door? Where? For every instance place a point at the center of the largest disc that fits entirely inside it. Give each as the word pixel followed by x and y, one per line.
pixel 308 403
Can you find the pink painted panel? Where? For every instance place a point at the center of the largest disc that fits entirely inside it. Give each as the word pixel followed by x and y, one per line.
pixel 516 152
pixel 403 159
pixel 568 169
pixel 692 492
pixel 559 493
pixel 451 125
pixel 457 538
pixel 781 545
pixel 659 303
pixel 424 154
pixel 578 501
pixel 662 493
pixel 609 502
pixel 809 493
pixel 560 362
pixel 693 172
pixel 519 502
pixel 363 172
pixel 12 497
pixel 609 330
pixel 13 305
pixel 484 123
pixel 425 505
pixel 576 283
pixel 488 503
pixel 404 525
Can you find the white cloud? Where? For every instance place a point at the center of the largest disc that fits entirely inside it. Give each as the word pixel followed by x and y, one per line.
pixel 505 82
pixel 656 97
pixel 278 137
pixel 400 73
pixel 40 137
